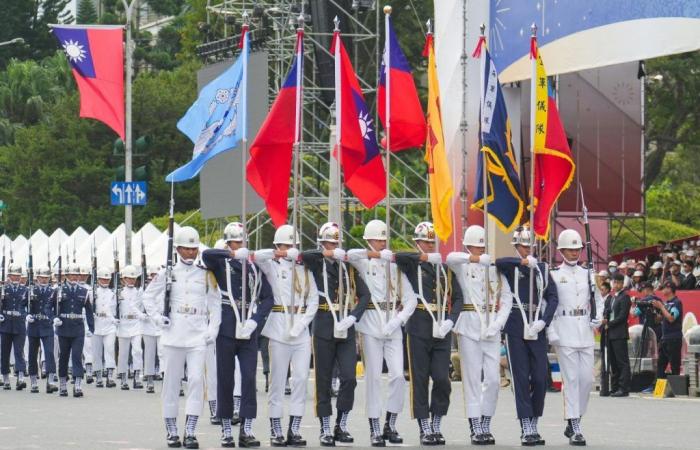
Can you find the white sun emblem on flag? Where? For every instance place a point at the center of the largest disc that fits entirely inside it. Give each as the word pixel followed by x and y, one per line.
pixel 74 50
pixel 365 124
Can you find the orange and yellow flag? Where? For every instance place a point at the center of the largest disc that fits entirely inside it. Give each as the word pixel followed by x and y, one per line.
pixel 439 177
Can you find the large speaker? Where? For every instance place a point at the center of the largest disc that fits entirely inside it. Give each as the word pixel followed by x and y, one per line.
pixel 642 380
pixel 322 14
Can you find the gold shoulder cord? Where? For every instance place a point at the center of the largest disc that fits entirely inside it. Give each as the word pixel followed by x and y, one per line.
pixel 210 278
pixel 353 287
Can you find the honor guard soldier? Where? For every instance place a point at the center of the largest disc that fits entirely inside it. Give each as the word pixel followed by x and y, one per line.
pixel 195 312
pixel 131 319
pixel 238 334
pixel 333 331
pixel 40 330
pixel 151 348
pixel 13 329
pixel 106 322
pixel 479 329
pixel 84 274
pixel 526 342
pixel 428 331
pixel 70 329
pixel 287 328
pixel 210 369
pixel 571 332
pixel 380 327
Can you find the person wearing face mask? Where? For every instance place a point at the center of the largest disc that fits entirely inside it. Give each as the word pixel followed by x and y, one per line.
pixel 572 332
pixel 333 330
pixel 40 330
pixel 73 310
pixel 479 329
pixel 238 334
pixel 13 329
pixel 131 318
pixel 380 328
pixel 612 267
pixel 105 304
pixel 429 332
pixel 526 341
pixel 194 319
pixel 287 328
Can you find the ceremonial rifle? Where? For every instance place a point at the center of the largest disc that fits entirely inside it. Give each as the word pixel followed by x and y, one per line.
pixel 116 277
pixel 93 275
pixel 59 280
pixel 169 255
pixel 30 278
pixel 144 268
pixel 589 256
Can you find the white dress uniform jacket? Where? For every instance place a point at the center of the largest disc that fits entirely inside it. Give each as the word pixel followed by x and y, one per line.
pixel 373 272
pixel 195 305
pixel 131 312
pixel 105 308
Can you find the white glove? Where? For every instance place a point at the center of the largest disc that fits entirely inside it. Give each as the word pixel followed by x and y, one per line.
pixel 241 254
pixel 143 316
pixel 445 327
pixel 57 322
pixel 88 333
pixel 531 262
pixel 537 326
pixel 2 318
pixel 209 339
pixel 345 323
pixel 339 254
pixel 552 336
pixel 494 329
pixel 248 327
pixel 595 323
pixel 115 321
pixel 391 326
pixel 485 260
pixel 296 330
pixel 386 255
pixel 163 322
pixel 293 254
pixel 30 318
pixel 434 258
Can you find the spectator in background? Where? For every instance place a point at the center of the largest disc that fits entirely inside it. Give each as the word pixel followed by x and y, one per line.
pixel 637 280
pixel 655 274
pixel 615 317
pixel 612 267
pixel 696 270
pixel 602 277
pixel 688 281
pixel 641 266
pixel 671 331
pixel 674 276
pixel 622 270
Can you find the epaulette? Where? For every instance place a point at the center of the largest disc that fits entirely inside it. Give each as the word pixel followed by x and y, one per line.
pixel 201 265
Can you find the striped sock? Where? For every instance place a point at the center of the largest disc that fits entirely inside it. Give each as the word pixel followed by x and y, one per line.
pixel 424 425
pixel 275 427
pixel 374 427
pixel 247 426
pixel 236 403
pixel 576 426
pixel 437 420
pixel 391 420
pixel 486 424
pixel 62 382
pixel 226 427
pixel 171 426
pixel 78 382
pixel 32 379
pixel 342 420
pixel 212 408
pixel 295 424
pixel 190 425
pixel 475 426
pixel 325 425
pixel 533 424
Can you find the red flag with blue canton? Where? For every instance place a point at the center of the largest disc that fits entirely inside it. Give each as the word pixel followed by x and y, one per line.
pixel 269 168
pixel 407 120
pixel 96 56
pixel 355 134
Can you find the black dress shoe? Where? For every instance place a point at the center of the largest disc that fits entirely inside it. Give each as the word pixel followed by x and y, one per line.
pixel 327 440
pixel 50 388
pixel 20 385
pixel 620 394
pixel 173 441
pixel 528 440
pixel 111 384
pixel 427 439
pixel 150 389
pixel 540 439
pixel 64 393
pixel 77 392
pixel 390 435
pixel 568 431
pixel 89 379
pixel 247 440
pixel 342 436
pixel 213 420
pixel 278 441
pixel 489 439
pixel 137 384
pixel 236 419
pixel 377 441
pixel 190 442
pixel 439 439
pixel 125 387
pixel 34 390
pixel 577 440
pixel 100 384
pixel 6 386
pixel 295 440
pixel 227 442
pixel 477 439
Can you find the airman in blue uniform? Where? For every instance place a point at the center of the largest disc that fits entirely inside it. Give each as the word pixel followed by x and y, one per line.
pixel 13 331
pixel 42 311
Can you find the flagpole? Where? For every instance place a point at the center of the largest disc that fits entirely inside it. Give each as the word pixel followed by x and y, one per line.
pixel 339 152
pixel 533 104
pixel 297 143
pixel 387 102
pixel 484 189
pixel 128 147
pixel 244 153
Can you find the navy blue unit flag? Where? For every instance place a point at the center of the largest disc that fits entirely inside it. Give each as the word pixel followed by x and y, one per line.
pixel 504 193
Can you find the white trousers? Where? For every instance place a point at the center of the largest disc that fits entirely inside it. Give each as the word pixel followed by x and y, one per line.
pixel 477 358
pixel 100 345
pixel 576 366
pixel 88 355
pixel 210 371
pixel 282 355
pixel 136 354
pixel 151 348
pixel 375 351
pixel 175 360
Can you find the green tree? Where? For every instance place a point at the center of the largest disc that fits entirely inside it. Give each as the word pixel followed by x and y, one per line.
pixel 86 12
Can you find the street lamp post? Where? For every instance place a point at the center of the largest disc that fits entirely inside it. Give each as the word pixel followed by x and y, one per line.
pixel 128 151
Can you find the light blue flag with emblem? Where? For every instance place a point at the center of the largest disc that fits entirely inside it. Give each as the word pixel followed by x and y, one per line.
pixel 216 121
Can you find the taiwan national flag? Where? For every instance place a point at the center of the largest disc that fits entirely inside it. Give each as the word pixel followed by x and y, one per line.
pixel 405 114
pixel 96 55
pixel 269 168
pixel 355 133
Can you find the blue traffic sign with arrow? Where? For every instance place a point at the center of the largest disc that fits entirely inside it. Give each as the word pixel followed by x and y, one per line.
pixel 129 193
